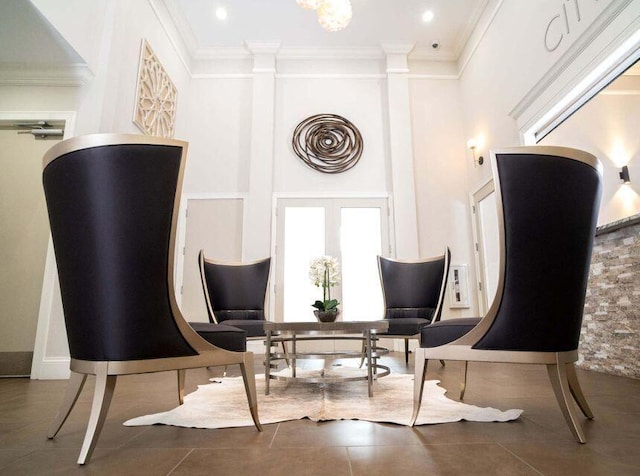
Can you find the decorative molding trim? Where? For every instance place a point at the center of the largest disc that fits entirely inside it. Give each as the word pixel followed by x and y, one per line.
pixel 447 77
pixel 20 74
pixel 222 76
pixel 156 96
pixel 52 369
pixel 472 44
pixel 569 56
pixel 176 29
pixel 185 44
pixel 220 53
pixel 361 53
pixel 465 37
pixel 426 53
pixel 330 76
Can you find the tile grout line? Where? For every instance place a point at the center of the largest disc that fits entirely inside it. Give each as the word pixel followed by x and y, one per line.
pixel 181 461
pixel 274 436
pixel 520 459
pixel 349 461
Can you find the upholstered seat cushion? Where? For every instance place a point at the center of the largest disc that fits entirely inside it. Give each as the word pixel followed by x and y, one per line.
pixel 251 327
pixel 409 326
pixel 222 335
pixel 443 332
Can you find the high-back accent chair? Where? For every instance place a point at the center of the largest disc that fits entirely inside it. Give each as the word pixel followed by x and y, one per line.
pixel 413 293
pixel 548 200
pixel 113 205
pixel 235 293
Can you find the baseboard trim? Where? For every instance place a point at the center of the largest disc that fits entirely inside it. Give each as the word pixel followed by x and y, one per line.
pixel 52 369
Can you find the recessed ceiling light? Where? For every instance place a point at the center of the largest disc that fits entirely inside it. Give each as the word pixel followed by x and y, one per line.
pixel 221 13
pixel 427 16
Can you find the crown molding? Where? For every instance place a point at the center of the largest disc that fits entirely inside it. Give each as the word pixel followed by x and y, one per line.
pixel 22 74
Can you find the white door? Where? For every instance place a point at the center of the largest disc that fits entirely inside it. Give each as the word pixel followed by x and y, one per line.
pixel 485 226
pixel 353 230
pixel 24 238
pixel 215 226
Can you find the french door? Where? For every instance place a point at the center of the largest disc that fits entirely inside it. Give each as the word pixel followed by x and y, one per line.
pixel 351 229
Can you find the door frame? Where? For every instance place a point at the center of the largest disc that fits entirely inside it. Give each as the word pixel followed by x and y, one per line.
pixel 475 197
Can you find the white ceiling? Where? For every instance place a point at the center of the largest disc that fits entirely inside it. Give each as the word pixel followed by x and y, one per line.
pixel 27 37
pixel 374 22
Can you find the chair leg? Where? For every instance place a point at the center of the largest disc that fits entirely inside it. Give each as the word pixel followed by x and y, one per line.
pixel 406 351
pixel 576 391
pixel 249 378
pixel 363 352
pixel 286 354
pixel 181 377
pixel 558 376
pixel 74 387
pixel 105 385
pixel 420 372
pixel 463 379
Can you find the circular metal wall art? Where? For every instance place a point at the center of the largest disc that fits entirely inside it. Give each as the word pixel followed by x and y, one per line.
pixel 328 143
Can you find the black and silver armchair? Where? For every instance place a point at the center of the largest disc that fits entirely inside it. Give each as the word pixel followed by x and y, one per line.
pixel 235 293
pixel 413 293
pixel 113 205
pixel 548 200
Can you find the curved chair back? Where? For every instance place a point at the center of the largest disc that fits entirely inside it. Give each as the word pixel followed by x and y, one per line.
pixel 414 289
pixel 548 206
pixel 112 200
pixel 234 291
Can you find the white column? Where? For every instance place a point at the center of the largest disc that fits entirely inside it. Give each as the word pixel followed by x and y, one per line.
pixel 256 230
pixel 401 152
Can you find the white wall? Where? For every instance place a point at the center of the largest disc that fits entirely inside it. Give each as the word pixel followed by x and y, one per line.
pixel 607 126
pixel 441 176
pixel 218 128
pixel 359 101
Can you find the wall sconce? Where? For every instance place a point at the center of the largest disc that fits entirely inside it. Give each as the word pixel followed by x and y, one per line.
pixel 624 175
pixel 472 144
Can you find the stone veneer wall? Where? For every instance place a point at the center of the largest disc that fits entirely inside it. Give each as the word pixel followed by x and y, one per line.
pixel 610 336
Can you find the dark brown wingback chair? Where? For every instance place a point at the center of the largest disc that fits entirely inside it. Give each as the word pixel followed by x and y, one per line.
pixel 113 204
pixel 548 201
pixel 413 293
pixel 235 293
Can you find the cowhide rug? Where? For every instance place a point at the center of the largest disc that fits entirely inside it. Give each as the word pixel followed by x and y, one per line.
pixel 223 404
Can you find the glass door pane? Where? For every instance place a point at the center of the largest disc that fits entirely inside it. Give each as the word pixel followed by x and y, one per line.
pixel 304 240
pixel 360 243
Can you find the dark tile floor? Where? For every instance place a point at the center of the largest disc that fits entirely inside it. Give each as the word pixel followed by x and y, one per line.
pixel 537 443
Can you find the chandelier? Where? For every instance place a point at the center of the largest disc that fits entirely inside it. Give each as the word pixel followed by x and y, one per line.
pixel 333 15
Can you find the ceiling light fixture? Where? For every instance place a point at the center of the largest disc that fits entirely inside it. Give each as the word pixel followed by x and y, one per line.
pixel 221 13
pixel 310 4
pixel 427 16
pixel 333 15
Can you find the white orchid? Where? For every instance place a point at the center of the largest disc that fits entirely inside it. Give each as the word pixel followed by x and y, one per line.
pixel 325 271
